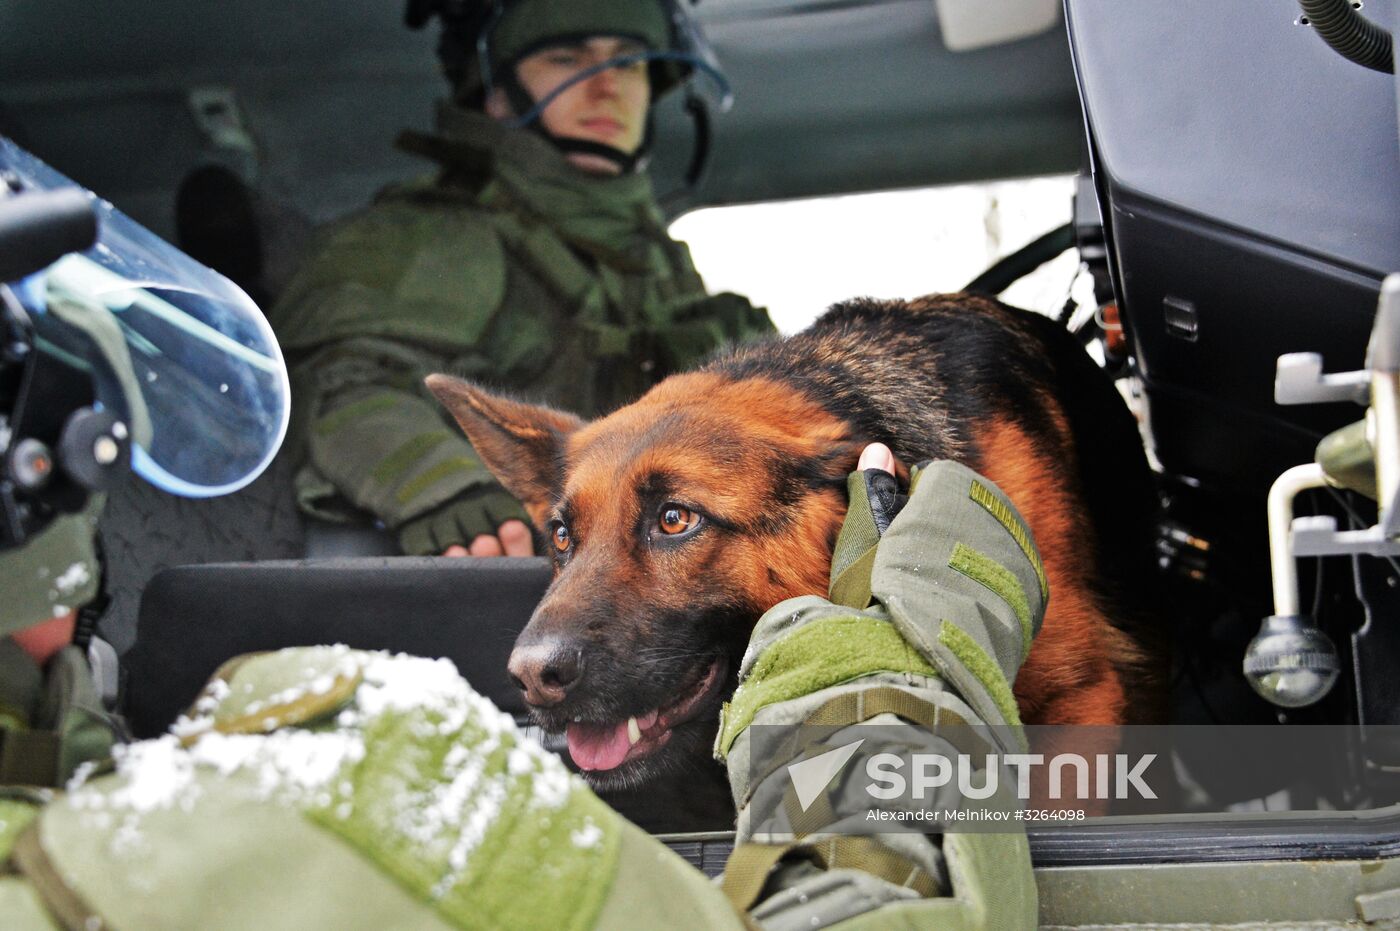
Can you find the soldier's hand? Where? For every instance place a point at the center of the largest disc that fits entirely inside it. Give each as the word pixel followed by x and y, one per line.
pixel 484 521
pixel 876 456
pixel 512 539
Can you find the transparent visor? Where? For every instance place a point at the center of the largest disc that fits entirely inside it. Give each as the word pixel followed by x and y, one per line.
pixel 692 51
pixel 175 348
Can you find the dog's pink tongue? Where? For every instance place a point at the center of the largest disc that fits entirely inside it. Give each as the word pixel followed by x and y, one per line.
pixel 598 746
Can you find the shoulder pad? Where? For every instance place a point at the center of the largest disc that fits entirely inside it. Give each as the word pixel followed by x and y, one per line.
pixel 407 270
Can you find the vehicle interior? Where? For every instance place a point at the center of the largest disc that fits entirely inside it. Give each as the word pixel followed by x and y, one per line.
pixel 1237 201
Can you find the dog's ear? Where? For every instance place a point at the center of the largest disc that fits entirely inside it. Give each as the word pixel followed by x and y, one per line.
pixel 522 444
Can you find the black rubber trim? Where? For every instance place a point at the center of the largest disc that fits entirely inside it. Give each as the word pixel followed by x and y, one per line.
pixel 1281 837
pixel 1009 269
pixel 1289 837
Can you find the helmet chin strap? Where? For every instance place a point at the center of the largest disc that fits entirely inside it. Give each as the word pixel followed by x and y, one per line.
pixel 521 102
pixel 626 164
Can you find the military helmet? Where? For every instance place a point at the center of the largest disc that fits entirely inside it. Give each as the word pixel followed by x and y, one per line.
pixel 482 40
pixel 527 26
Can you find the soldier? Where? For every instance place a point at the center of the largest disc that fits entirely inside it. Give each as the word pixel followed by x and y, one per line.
pixel 536 259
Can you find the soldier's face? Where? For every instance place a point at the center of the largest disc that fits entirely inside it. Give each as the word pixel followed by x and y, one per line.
pixel 610 107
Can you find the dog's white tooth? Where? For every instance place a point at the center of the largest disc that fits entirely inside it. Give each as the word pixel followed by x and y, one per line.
pixel 634 733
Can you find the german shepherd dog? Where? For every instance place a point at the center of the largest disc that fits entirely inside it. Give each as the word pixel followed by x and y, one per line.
pixel 676 521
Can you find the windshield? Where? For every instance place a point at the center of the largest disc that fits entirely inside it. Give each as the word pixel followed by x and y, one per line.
pixel 197 371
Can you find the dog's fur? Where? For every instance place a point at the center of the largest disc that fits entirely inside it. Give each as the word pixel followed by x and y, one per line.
pixel 759 443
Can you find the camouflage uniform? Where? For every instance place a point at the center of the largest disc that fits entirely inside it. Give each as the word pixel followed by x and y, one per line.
pixel 930 618
pixel 511 267
pixel 325 787
pixel 51 720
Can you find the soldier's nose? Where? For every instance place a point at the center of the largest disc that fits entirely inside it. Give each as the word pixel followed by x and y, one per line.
pixel 604 83
pixel 545 671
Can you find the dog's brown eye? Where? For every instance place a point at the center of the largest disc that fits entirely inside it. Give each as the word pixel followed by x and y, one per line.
pixel 676 519
pixel 561 538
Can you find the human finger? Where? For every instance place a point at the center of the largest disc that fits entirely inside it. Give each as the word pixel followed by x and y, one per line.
pixel 515 538
pixel 876 456
pixel 486 545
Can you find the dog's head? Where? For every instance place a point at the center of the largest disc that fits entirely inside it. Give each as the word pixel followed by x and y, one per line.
pixel 673 524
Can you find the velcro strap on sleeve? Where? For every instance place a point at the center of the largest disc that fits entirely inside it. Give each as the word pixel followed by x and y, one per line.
pixel 815 656
pixel 859 707
pixel 982 493
pixel 750 865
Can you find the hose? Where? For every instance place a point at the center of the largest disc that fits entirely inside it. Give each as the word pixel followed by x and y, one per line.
pixel 1023 261
pixel 1349 33
pixel 700 153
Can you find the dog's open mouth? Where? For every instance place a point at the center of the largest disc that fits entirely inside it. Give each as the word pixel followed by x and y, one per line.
pixel 598 747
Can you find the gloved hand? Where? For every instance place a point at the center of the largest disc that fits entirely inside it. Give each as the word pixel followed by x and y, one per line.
pixel 945 581
pixel 935 599
pixel 957 572
pixel 478 511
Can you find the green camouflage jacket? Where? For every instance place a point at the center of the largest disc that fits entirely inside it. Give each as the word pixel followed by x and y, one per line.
pixel 510 267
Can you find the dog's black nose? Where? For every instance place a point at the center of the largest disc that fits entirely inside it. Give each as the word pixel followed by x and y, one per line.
pixel 545 671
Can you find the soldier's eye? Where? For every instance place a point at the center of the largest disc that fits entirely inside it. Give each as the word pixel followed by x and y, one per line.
pixel 675 519
pixel 561 539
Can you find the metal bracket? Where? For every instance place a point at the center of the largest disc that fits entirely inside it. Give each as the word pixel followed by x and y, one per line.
pixel 1318 536
pixel 220 120
pixel 1300 381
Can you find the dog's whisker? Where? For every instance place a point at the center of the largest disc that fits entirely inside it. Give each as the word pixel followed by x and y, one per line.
pixel 672 653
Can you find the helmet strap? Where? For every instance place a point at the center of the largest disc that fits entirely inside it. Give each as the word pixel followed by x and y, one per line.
pixel 625 163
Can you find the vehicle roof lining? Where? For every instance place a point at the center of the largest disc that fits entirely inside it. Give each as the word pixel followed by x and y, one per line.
pixel 833 97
